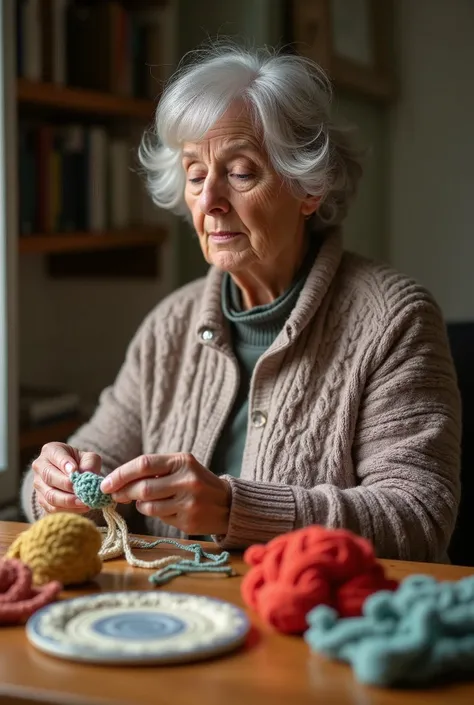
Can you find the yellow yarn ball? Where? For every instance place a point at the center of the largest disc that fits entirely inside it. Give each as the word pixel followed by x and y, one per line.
pixel 62 547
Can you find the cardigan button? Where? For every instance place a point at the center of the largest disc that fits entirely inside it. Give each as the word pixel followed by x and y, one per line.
pixel 207 334
pixel 259 418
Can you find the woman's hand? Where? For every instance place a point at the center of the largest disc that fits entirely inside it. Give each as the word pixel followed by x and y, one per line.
pixel 176 489
pixel 54 491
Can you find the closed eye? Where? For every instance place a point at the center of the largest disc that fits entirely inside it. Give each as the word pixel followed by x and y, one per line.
pixel 241 177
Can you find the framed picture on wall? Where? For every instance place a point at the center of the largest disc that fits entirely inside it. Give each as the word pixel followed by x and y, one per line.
pixel 351 39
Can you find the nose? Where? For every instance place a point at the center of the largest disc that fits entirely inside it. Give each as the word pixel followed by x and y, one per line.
pixel 212 199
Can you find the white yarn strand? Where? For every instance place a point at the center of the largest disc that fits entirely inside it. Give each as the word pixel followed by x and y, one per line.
pixel 117 542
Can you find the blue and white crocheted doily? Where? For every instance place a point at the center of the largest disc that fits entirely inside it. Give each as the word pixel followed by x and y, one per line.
pixel 138 627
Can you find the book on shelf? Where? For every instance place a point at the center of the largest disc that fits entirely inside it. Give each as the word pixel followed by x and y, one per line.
pixel 96 45
pixel 42 405
pixel 76 178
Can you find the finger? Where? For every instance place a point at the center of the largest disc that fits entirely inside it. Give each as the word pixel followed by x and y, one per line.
pixel 90 462
pixel 138 468
pixel 57 498
pixel 52 510
pixel 49 509
pixel 51 476
pixel 148 489
pixel 166 509
pixel 59 454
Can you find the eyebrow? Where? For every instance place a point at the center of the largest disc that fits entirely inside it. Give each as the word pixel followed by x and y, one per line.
pixel 236 146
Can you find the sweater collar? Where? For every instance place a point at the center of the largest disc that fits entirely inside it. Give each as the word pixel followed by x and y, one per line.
pixel 213 328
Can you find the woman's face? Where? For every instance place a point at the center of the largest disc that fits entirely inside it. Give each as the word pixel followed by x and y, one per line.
pixel 247 220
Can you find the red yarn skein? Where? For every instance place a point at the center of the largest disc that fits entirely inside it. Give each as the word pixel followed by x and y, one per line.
pixel 18 598
pixel 296 571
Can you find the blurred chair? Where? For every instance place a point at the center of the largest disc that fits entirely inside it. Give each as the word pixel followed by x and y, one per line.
pixel 461 336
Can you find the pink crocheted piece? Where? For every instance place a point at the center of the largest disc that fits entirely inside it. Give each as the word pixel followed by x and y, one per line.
pixel 18 597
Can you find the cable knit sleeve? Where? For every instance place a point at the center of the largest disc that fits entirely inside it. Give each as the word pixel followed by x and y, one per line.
pixel 115 430
pixel 405 452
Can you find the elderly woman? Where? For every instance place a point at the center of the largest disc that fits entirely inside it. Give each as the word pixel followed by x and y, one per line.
pixel 296 383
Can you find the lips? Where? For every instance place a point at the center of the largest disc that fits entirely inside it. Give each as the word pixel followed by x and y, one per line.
pixel 223 235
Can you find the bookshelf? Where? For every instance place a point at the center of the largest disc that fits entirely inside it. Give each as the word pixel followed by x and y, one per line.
pixel 88 77
pixel 80 111
pixel 63 98
pixel 86 241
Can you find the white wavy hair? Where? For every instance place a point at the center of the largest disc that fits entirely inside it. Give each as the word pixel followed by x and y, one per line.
pixel 289 98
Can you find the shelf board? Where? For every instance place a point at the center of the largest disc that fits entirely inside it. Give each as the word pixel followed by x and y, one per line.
pixel 82 101
pixel 39 435
pixel 87 241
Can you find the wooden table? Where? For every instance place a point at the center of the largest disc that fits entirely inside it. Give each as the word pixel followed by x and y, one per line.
pixel 271 669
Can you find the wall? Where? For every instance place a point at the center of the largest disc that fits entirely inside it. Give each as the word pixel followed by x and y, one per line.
pixel 366 227
pixel 432 152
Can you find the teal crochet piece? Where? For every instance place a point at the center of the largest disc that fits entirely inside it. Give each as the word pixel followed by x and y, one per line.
pixel 87 488
pixel 421 632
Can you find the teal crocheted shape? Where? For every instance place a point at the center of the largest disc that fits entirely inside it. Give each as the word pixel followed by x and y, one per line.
pixel 421 632
pixel 87 488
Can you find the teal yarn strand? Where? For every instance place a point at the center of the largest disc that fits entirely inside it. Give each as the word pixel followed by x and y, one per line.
pixel 87 488
pixel 216 563
pixel 184 567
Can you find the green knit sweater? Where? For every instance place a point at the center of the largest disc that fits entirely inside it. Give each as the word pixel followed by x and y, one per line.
pixel 252 333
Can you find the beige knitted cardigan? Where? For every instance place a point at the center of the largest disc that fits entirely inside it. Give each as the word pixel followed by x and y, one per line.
pixel 354 414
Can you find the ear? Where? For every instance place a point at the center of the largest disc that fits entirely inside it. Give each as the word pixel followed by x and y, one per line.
pixel 310 205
